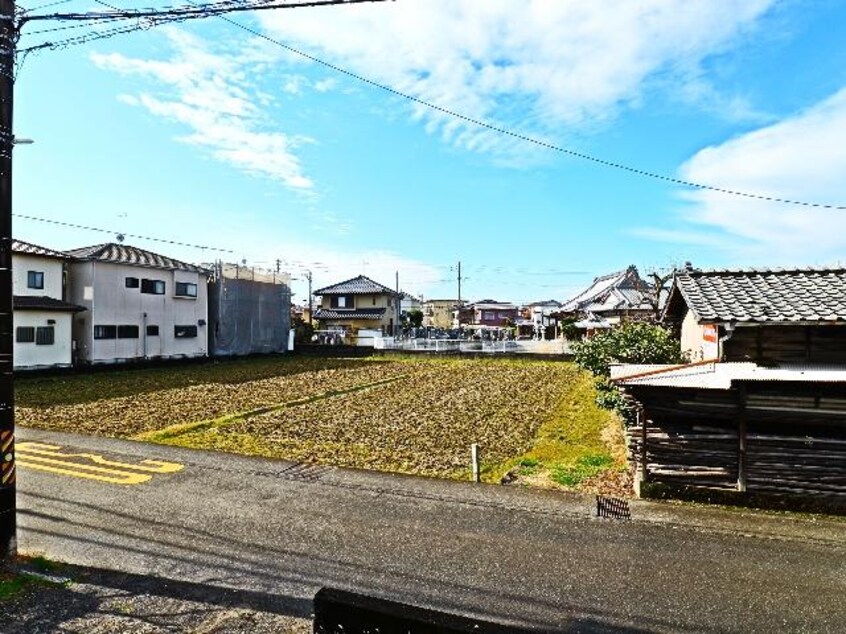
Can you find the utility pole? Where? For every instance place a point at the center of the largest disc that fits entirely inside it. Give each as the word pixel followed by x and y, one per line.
pixel 398 307
pixel 8 41
pixel 310 303
pixel 459 283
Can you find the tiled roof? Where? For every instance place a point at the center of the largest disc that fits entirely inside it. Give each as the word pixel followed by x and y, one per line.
pixel 360 285
pixel 126 254
pixel 361 313
pixel 815 295
pixel 31 302
pixel 721 376
pixel 19 246
pixel 615 291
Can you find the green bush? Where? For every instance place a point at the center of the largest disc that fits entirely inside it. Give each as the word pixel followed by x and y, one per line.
pixel 632 342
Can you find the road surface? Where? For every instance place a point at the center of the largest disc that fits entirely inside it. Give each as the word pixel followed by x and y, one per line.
pixel 276 532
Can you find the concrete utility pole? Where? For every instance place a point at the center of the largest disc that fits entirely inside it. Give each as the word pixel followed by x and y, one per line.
pixel 310 303
pixel 398 307
pixel 8 41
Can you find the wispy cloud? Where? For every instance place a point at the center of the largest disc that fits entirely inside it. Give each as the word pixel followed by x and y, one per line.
pixel 797 158
pixel 211 94
pixel 550 67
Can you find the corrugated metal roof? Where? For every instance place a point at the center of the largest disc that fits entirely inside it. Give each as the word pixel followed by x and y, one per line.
pixel 360 313
pixel 31 302
pixel 126 254
pixel 19 246
pixel 765 296
pixel 361 285
pixel 721 376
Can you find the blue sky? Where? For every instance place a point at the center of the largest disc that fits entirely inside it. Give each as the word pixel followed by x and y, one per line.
pixel 205 134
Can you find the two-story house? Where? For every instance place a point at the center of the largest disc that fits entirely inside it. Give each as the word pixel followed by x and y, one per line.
pixel 487 313
pixel 139 305
pixel 439 313
pixel 43 335
pixel 355 305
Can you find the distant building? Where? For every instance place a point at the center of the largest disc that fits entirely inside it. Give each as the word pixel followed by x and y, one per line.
pixel 611 299
pixel 439 313
pixel 249 311
pixel 487 312
pixel 139 305
pixel 358 309
pixel 43 320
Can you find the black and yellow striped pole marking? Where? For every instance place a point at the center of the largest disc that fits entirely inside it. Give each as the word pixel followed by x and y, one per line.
pixel 7 458
pixel 90 466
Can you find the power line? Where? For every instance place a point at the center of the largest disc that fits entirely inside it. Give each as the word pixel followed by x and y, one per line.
pixel 71 225
pixel 524 137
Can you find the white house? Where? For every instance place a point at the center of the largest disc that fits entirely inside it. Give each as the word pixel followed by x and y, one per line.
pixel 42 318
pixel 139 305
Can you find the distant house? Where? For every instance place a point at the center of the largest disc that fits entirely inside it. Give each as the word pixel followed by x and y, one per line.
pixel 139 305
pixel 488 313
pixel 538 317
pixel 439 313
pixel 249 310
pixel 358 309
pixel 611 299
pixel 761 409
pixel 43 320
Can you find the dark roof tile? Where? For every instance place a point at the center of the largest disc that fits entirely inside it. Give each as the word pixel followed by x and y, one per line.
pixel 126 254
pixel 360 285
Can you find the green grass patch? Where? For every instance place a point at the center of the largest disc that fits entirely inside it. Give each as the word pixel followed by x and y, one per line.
pixel 579 440
pixel 585 467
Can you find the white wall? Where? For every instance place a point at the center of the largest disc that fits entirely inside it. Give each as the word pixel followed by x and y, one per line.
pixel 51 267
pixel 101 288
pixel 31 355
pixel 692 339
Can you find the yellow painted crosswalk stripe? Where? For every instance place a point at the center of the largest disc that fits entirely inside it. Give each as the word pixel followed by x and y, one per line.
pixel 49 458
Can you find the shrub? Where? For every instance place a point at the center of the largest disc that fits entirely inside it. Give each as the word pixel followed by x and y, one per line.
pixel 632 342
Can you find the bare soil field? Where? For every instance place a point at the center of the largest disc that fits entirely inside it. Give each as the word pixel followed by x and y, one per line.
pixel 535 421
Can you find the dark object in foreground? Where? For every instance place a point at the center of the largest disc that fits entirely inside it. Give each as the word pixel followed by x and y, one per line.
pixel 612 508
pixel 341 612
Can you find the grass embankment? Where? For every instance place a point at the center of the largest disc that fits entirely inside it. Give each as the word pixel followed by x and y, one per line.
pixel 411 415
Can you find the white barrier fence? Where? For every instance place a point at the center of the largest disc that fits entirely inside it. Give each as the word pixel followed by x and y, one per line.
pixel 557 346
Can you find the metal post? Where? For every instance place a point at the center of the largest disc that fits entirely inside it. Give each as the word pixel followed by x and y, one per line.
pixel 474 460
pixel 8 40
pixel 741 436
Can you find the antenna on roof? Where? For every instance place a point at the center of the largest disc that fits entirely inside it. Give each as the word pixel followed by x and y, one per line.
pixel 120 238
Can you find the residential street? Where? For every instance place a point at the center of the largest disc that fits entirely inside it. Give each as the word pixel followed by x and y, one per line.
pixel 278 533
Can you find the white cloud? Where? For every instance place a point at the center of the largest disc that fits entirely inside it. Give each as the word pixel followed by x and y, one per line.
pixel 210 94
pixel 800 158
pixel 550 67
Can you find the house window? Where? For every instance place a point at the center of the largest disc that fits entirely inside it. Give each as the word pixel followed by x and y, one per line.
pixel 186 289
pixel 185 332
pixel 35 279
pixel 25 334
pixel 105 332
pixel 132 282
pixel 342 301
pixel 152 331
pixel 127 332
pixel 45 336
pixel 153 287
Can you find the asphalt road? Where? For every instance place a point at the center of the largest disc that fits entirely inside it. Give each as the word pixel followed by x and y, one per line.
pixel 276 533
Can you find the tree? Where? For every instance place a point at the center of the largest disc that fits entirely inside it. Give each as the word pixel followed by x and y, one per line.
pixel 632 342
pixel 414 319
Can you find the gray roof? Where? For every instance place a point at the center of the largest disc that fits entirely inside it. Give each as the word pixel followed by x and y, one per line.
pixel 764 296
pixel 35 302
pixel 19 246
pixel 722 376
pixel 623 287
pixel 126 254
pixel 359 313
pixel 360 285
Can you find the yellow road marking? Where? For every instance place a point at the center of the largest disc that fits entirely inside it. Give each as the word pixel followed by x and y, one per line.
pixel 149 466
pixel 43 457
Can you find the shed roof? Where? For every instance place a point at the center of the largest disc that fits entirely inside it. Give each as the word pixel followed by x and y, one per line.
pixel 721 376
pixel 126 254
pixel 763 296
pixel 361 285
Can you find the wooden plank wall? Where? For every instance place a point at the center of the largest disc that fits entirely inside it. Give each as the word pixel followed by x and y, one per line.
pixel 790 344
pixel 795 438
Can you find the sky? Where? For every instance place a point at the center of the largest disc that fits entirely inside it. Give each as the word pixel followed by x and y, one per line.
pixel 231 137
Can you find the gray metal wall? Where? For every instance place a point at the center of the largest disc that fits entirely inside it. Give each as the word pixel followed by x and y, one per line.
pixel 247 317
